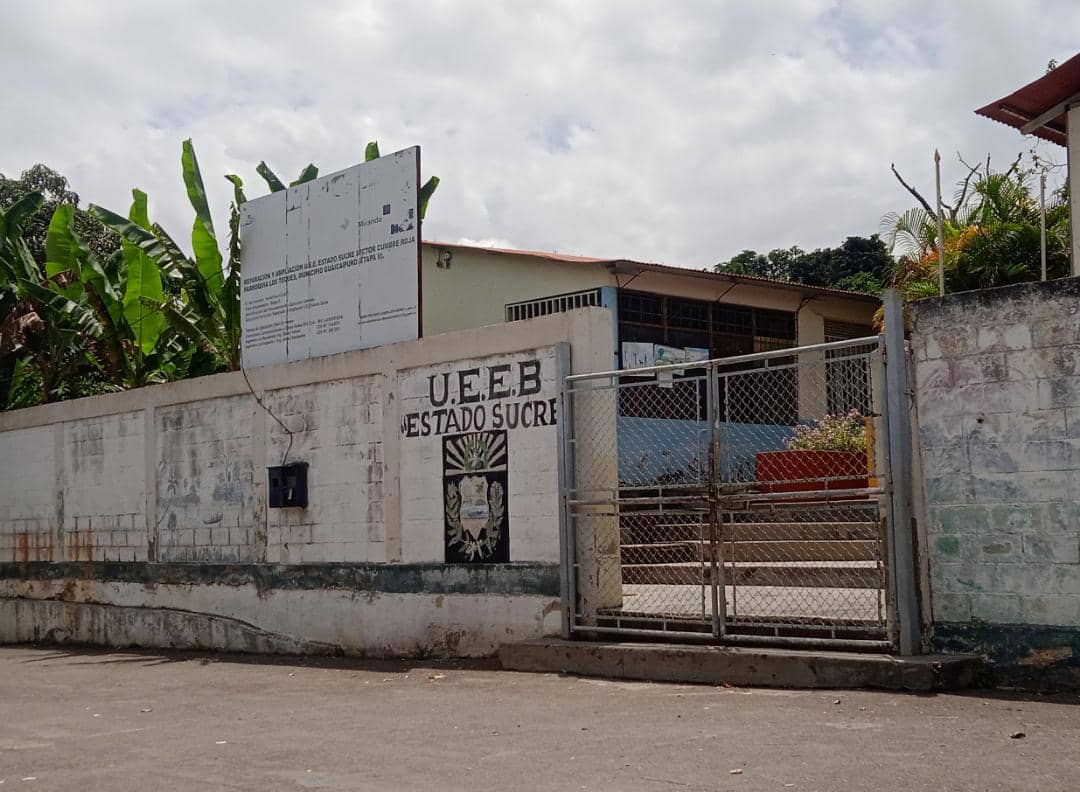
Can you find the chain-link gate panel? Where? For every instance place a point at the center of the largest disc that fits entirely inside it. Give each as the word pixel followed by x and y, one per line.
pixel 639 501
pixel 739 499
pixel 802 528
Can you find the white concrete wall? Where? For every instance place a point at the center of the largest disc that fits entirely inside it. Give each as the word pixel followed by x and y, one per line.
pixel 337 427
pixel 204 482
pixel 176 474
pixel 247 618
pixel 29 512
pixel 998 387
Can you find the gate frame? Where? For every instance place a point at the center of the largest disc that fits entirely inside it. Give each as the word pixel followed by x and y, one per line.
pixel 902 614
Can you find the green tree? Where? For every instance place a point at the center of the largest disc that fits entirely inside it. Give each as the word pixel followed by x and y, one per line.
pixel 833 266
pixel 859 264
pixel 54 190
pixel 776 264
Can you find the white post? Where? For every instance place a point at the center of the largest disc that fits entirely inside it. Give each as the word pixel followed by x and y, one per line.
pixel 1072 124
pixel 1042 222
pixel 940 229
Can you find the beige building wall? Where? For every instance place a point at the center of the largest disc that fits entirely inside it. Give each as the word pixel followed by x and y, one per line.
pixel 476 287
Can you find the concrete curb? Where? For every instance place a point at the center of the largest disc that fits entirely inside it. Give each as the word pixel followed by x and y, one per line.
pixel 742 666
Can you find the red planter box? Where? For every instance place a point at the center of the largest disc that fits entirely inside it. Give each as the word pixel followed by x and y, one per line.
pixel 808 471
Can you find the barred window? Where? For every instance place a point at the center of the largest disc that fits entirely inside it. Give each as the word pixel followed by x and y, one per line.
pixel 560 303
pixel 847 378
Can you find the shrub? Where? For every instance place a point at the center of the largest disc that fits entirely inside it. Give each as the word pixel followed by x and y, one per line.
pixel 831 433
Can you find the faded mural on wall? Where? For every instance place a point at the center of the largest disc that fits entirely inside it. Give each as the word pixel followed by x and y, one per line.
pixel 475 497
pixel 204 483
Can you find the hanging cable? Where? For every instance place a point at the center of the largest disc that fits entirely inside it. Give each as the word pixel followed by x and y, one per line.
pixel 269 412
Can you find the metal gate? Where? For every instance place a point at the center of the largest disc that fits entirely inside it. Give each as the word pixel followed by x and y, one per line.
pixel 743 499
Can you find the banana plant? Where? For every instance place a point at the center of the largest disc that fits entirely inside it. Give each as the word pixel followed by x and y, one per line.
pixel 49 337
pixel 128 299
pixel 202 300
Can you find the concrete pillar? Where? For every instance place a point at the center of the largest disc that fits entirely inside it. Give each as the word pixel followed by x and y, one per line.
pixel 1072 123
pixel 609 298
pixel 812 401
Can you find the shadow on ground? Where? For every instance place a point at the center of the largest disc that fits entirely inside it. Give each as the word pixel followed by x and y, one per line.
pixel 91 655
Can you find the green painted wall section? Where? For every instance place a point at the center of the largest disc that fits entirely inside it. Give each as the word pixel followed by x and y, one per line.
pixel 540 580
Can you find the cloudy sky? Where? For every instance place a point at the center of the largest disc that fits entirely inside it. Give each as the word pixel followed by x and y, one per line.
pixel 679 132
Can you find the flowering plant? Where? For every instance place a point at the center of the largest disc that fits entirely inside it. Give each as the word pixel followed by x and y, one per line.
pixel 831 433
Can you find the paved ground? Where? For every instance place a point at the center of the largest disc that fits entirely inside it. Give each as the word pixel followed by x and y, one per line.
pixel 84 720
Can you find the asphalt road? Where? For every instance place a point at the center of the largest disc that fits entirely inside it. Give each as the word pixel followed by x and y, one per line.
pixel 85 720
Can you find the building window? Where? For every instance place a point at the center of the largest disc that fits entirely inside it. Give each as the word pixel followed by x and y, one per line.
pixel 641 308
pixel 725 330
pixel 560 303
pixel 848 383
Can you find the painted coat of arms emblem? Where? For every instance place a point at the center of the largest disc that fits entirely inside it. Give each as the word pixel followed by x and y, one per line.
pixel 474 484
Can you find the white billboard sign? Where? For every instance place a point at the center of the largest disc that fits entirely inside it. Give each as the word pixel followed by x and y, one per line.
pixel 333 264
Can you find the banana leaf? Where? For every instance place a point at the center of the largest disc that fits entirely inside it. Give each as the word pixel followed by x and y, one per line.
pixel 426 192
pixel 306 175
pixel 12 218
pixel 203 240
pixel 164 251
pixel 65 251
pixel 238 188
pixel 80 316
pixel 144 294
pixel 272 181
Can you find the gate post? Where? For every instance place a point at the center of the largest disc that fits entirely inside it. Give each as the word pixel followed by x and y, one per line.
pixel 590 547
pixel 567 552
pixel 898 419
pixel 715 474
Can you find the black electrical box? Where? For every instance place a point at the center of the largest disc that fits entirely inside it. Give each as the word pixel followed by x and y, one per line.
pixel 288 485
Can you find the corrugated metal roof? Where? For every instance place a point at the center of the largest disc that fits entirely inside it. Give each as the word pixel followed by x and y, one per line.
pixel 666 268
pixel 1036 98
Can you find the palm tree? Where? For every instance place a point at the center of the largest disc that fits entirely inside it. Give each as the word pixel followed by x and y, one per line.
pixel 991 235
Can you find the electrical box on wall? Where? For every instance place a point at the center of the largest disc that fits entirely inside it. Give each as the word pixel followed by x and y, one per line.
pixel 288 485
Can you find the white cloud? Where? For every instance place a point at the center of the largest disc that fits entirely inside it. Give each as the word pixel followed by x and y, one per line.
pixel 672 132
pixel 488 243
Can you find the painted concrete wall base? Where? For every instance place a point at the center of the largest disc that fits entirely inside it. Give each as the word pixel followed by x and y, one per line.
pixel 399 611
pixel 1035 657
pixel 57 622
